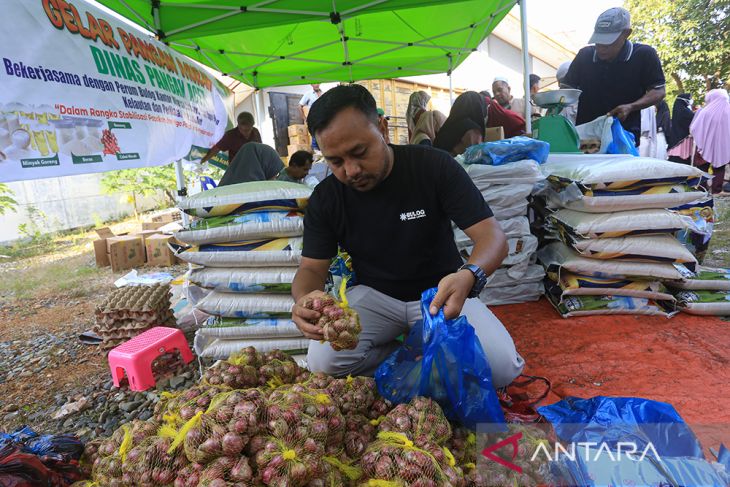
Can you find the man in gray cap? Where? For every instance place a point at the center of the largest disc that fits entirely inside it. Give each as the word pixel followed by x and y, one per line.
pixel 618 77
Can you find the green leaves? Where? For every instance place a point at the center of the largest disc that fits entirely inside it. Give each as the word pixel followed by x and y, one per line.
pixel 7 203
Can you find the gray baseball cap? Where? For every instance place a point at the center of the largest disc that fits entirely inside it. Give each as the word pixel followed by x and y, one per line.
pixel 609 26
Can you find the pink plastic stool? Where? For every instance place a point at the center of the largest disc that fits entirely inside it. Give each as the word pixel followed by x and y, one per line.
pixel 135 356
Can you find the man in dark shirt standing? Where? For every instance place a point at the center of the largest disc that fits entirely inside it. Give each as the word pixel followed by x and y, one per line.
pixel 234 139
pixel 390 207
pixel 617 77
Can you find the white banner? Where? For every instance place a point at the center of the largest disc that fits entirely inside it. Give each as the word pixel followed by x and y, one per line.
pixel 82 92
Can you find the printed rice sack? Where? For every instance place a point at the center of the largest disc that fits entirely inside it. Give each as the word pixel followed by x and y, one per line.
pixel 703 215
pixel 520 172
pixel 558 257
pixel 603 201
pixel 577 224
pixel 229 328
pixel 247 197
pixel 220 349
pixel 519 293
pixel 640 248
pixel 707 278
pixel 577 285
pixel 262 280
pixel 259 306
pixel 701 302
pixel 249 226
pixel 256 253
pixel 593 172
pixel 570 306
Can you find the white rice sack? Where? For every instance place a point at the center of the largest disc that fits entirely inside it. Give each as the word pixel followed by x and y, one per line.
pixel 520 250
pixel 506 212
pixel 264 280
pixel 641 248
pixel 707 278
pixel 258 253
pixel 702 302
pixel 220 349
pixel 616 172
pixel 519 293
pixel 230 328
pixel 233 305
pixel 506 195
pixel 519 172
pixel 667 196
pixel 557 257
pixel 502 278
pixel 577 285
pixel 249 226
pixel 621 223
pixel 512 227
pixel 247 197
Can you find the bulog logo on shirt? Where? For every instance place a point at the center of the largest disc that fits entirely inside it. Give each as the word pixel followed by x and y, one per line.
pixel 412 215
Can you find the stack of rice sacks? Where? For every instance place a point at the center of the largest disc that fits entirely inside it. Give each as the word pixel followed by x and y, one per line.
pixel 615 221
pixel 705 293
pixel 245 246
pixel 506 189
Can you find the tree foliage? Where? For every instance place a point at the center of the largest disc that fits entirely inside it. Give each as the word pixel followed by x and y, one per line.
pixel 144 181
pixel 7 203
pixel 692 38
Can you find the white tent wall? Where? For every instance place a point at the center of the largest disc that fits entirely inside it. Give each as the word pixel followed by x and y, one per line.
pixel 64 203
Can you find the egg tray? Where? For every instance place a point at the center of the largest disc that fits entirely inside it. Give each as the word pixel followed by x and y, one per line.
pixel 136 299
pixel 126 320
pixel 164 320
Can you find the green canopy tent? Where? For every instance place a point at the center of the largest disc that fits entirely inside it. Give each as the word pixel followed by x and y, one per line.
pixel 292 42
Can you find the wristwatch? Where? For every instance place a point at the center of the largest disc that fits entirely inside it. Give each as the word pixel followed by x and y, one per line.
pixel 480 279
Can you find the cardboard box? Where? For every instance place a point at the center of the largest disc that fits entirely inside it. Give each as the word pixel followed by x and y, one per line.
pixel 494 133
pixel 298 130
pixel 145 234
pixel 151 225
pixel 158 252
pixel 167 217
pixel 292 148
pixel 300 140
pixel 126 252
pixel 100 246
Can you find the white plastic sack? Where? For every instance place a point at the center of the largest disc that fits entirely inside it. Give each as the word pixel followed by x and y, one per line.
pixel 703 302
pixel 506 212
pixel 506 195
pixel 616 172
pixel 220 349
pixel 247 197
pixel 267 280
pixel 519 293
pixel 512 227
pixel 233 305
pixel 669 196
pixel 707 278
pixel 261 253
pixel 641 248
pixel 620 223
pixel 521 255
pixel 557 256
pixel 519 172
pixel 249 226
pixel 230 328
pixel 502 278
pixel 598 129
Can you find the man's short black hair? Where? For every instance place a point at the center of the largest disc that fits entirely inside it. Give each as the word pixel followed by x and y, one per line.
pixel 245 118
pixel 534 79
pixel 300 158
pixel 486 93
pixel 337 99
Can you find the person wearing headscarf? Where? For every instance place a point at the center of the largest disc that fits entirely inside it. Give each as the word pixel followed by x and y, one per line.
pixel 710 129
pixel 254 162
pixel 429 123
pixel 678 141
pixel 465 125
pixel 663 126
pixel 417 104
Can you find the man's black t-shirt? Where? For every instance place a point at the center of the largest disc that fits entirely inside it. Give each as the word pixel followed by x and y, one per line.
pixel 399 233
pixel 606 85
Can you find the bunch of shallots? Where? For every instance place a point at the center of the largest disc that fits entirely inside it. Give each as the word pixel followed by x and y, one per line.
pixel 340 324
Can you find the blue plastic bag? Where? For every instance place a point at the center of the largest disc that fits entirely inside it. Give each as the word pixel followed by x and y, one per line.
pixel 623 141
pixel 506 151
pixel 442 359
pixel 612 420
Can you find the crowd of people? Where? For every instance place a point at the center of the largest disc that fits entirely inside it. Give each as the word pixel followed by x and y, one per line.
pixel 616 76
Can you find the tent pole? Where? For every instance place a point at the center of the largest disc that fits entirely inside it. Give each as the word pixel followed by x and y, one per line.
pixel 451 87
pixel 181 189
pixel 526 66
